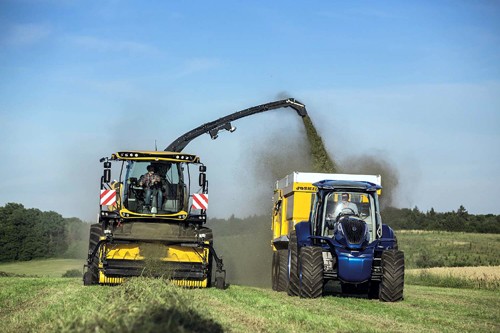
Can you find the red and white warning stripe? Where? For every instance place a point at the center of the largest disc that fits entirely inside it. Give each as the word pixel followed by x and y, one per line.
pixel 108 197
pixel 200 201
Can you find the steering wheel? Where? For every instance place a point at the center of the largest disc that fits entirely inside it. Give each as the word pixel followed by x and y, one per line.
pixel 345 212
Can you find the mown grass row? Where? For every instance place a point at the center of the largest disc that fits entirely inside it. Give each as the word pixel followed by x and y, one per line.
pixel 153 305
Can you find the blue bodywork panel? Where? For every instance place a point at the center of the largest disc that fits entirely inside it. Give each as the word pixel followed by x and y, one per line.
pixel 303 230
pixel 388 240
pixel 354 266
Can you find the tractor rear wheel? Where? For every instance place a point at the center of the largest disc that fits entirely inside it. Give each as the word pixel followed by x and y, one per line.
pixel 393 276
pixel 283 270
pixel 311 268
pixel 293 281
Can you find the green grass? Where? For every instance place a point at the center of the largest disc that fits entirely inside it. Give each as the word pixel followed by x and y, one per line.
pixel 149 305
pixel 448 249
pixel 43 267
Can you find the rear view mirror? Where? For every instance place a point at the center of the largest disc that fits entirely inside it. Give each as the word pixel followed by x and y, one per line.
pixel 107 175
pixel 202 179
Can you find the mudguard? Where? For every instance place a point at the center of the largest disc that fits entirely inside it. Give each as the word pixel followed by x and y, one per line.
pixel 303 230
pixel 354 266
pixel 388 240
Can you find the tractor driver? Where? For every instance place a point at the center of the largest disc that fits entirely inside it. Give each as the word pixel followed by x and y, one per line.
pixel 152 182
pixel 345 207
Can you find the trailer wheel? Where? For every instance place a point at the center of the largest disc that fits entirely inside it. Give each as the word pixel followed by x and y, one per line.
pixel 311 269
pixel 293 276
pixel 275 271
pixel 91 276
pixel 283 270
pixel 393 274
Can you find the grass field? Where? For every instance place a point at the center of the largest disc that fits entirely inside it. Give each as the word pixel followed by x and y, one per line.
pixel 465 299
pixel 148 305
pixel 46 267
pixel 448 249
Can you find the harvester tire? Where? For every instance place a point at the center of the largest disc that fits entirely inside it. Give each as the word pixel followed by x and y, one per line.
pixel 283 270
pixel 293 280
pixel 220 283
pixel 393 276
pixel 92 275
pixel 311 268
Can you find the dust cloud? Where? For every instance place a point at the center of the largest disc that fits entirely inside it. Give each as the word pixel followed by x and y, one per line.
pixel 375 165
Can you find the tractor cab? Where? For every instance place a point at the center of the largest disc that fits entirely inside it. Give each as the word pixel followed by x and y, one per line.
pixel 348 205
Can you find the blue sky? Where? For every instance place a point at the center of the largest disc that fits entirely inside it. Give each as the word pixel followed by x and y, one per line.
pixel 416 84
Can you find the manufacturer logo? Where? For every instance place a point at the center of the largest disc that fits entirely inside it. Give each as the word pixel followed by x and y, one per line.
pixel 306 188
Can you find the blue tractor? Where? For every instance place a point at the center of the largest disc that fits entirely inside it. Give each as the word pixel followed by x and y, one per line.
pixel 345 240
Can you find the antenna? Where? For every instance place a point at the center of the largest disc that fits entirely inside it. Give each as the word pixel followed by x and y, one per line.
pixel 156 148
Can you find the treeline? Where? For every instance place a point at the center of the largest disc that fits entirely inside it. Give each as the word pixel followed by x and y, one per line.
pixel 27 234
pixel 459 220
pixel 397 218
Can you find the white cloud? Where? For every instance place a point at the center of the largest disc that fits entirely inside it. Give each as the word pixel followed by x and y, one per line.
pixel 109 45
pixel 26 34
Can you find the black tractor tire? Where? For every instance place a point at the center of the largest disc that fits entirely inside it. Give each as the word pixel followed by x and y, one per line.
pixel 210 273
pixel 374 290
pixel 275 271
pixel 393 276
pixel 283 270
pixel 311 268
pixel 92 275
pixel 293 278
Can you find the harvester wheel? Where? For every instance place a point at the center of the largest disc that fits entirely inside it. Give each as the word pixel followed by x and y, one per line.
pixel 311 269
pixel 393 276
pixel 220 283
pixel 293 281
pixel 282 270
pixel 92 275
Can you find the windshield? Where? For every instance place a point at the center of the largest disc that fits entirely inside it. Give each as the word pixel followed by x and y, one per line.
pixel 154 187
pixel 343 203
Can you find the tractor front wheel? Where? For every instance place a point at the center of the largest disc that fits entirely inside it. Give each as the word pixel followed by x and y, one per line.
pixel 393 276
pixel 311 269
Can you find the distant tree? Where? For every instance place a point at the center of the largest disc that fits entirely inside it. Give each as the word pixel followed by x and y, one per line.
pixel 27 234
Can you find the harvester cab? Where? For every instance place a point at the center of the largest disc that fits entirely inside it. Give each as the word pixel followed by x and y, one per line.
pixel 151 221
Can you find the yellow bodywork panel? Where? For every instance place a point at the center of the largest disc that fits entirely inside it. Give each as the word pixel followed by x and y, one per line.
pixel 141 251
pixel 291 208
pixel 162 252
pixel 103 279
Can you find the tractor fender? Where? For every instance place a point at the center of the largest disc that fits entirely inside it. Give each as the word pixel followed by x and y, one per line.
pixel 388 240
pixel 303 230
